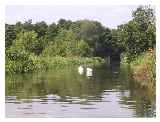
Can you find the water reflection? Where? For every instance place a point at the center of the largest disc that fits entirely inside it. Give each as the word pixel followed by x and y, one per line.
pixel 65 93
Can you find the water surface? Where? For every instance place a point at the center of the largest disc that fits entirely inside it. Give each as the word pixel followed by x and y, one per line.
pixel 65 93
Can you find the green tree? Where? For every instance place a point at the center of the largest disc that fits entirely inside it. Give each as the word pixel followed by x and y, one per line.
pixel 18 60
pixel 51 32
pixel 28 26
pixel 64 24
pixel 138 34
pixel 10 35
pixel 64 44
pixel 18 27
pixel 83 49
pixel 29 42
pixel 90 32
pixel 41 28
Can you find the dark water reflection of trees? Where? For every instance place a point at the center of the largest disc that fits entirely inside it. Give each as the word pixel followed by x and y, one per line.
pixel 68 83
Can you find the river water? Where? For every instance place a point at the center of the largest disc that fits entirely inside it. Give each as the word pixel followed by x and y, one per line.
pixel 66 93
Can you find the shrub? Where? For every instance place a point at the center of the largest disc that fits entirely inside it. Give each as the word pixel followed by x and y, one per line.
pixel 18 61
pixel 144 69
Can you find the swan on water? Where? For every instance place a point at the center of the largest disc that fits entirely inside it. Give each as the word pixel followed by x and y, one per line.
pixel 80 70
pixel 89 72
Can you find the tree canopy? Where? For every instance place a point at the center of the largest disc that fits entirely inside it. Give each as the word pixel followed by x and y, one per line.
pixel 83 38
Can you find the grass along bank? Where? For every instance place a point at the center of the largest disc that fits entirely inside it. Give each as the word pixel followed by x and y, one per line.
pixel 61 62
pixel 144 70
pixel 37 63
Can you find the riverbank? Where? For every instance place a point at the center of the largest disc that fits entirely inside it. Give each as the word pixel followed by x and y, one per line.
pixel 36 63
pixel 144 68
pixel 144 71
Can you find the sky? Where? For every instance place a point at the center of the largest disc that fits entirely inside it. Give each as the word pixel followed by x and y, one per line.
pixel 109 16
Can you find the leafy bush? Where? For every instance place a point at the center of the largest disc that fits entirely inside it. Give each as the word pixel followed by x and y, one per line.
pixel 144 67
pixel 61 62
pixel 18 61
pixel 29 42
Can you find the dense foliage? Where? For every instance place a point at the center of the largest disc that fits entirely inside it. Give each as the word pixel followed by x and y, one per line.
pixel 144 71
pixel 34 46
pixel 139 34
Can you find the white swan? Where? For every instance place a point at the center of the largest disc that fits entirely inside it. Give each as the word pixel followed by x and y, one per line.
pixel 80 70
pixel 89 72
